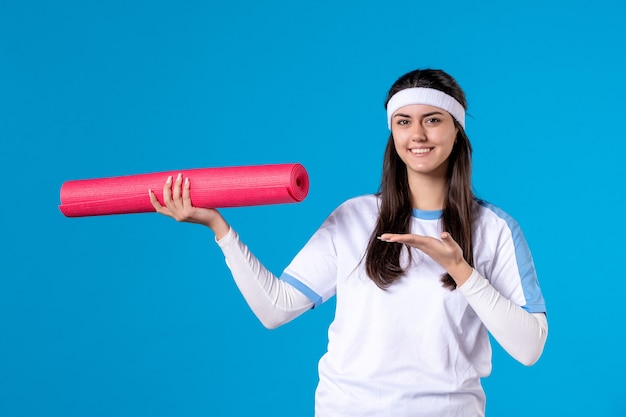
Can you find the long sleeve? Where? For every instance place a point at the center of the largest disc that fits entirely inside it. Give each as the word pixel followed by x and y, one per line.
pixel 272 300
pixel 522 334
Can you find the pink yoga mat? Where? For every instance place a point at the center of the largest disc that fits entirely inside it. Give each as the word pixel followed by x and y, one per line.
pixel 210 188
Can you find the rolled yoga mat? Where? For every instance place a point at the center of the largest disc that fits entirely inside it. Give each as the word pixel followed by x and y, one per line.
pixel 210 188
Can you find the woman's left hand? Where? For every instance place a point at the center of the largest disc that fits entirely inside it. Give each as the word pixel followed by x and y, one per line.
pixel 446 252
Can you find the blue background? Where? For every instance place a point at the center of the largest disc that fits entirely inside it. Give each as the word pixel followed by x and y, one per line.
pixel 138 315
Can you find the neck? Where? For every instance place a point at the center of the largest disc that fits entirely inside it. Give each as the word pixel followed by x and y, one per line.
pixel 427 192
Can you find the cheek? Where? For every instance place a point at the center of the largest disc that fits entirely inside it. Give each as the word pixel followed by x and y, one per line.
pixel 450 150
pixel 399 150
pixel 449 141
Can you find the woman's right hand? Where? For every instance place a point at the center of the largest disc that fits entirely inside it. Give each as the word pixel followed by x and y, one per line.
pixel 177 200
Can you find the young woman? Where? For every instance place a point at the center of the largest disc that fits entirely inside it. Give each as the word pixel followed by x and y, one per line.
pixel 421 271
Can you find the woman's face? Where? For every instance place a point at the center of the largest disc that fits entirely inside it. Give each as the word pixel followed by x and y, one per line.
pixel 424 137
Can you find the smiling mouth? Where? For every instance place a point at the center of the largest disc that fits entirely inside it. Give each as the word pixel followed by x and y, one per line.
pixel 420 151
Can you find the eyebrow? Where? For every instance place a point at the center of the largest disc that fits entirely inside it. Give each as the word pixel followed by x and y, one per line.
pixel 422 116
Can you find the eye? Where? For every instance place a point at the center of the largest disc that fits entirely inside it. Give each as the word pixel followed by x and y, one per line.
pixel 433 120
pixel 402 122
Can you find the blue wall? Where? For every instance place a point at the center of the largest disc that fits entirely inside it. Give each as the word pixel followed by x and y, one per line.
pixel 138 315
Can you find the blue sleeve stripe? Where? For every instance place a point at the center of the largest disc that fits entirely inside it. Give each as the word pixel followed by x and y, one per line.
pixel 309 293
pixel 530 285
pixel 535 308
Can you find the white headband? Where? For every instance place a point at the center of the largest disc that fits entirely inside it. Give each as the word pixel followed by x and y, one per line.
pixel 428 96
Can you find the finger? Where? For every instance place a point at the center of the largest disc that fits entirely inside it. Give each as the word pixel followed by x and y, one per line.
pixel 392 237
pixel 177 189
pixel 384 237
pixel 448 240
pixel 157 206
pixel 388 237
pixel 167 191
pixel 407 239
pixel 187 194
pixel 154 200
pixel 423 243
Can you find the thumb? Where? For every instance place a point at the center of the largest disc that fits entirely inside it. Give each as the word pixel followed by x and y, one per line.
pixel 447 240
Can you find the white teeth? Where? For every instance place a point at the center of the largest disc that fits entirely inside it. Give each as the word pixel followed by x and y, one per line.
pixel 420 151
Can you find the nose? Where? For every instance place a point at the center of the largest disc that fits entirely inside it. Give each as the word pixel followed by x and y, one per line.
pixel 418 133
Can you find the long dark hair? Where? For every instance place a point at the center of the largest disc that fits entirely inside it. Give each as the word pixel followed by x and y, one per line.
pixel 382 260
